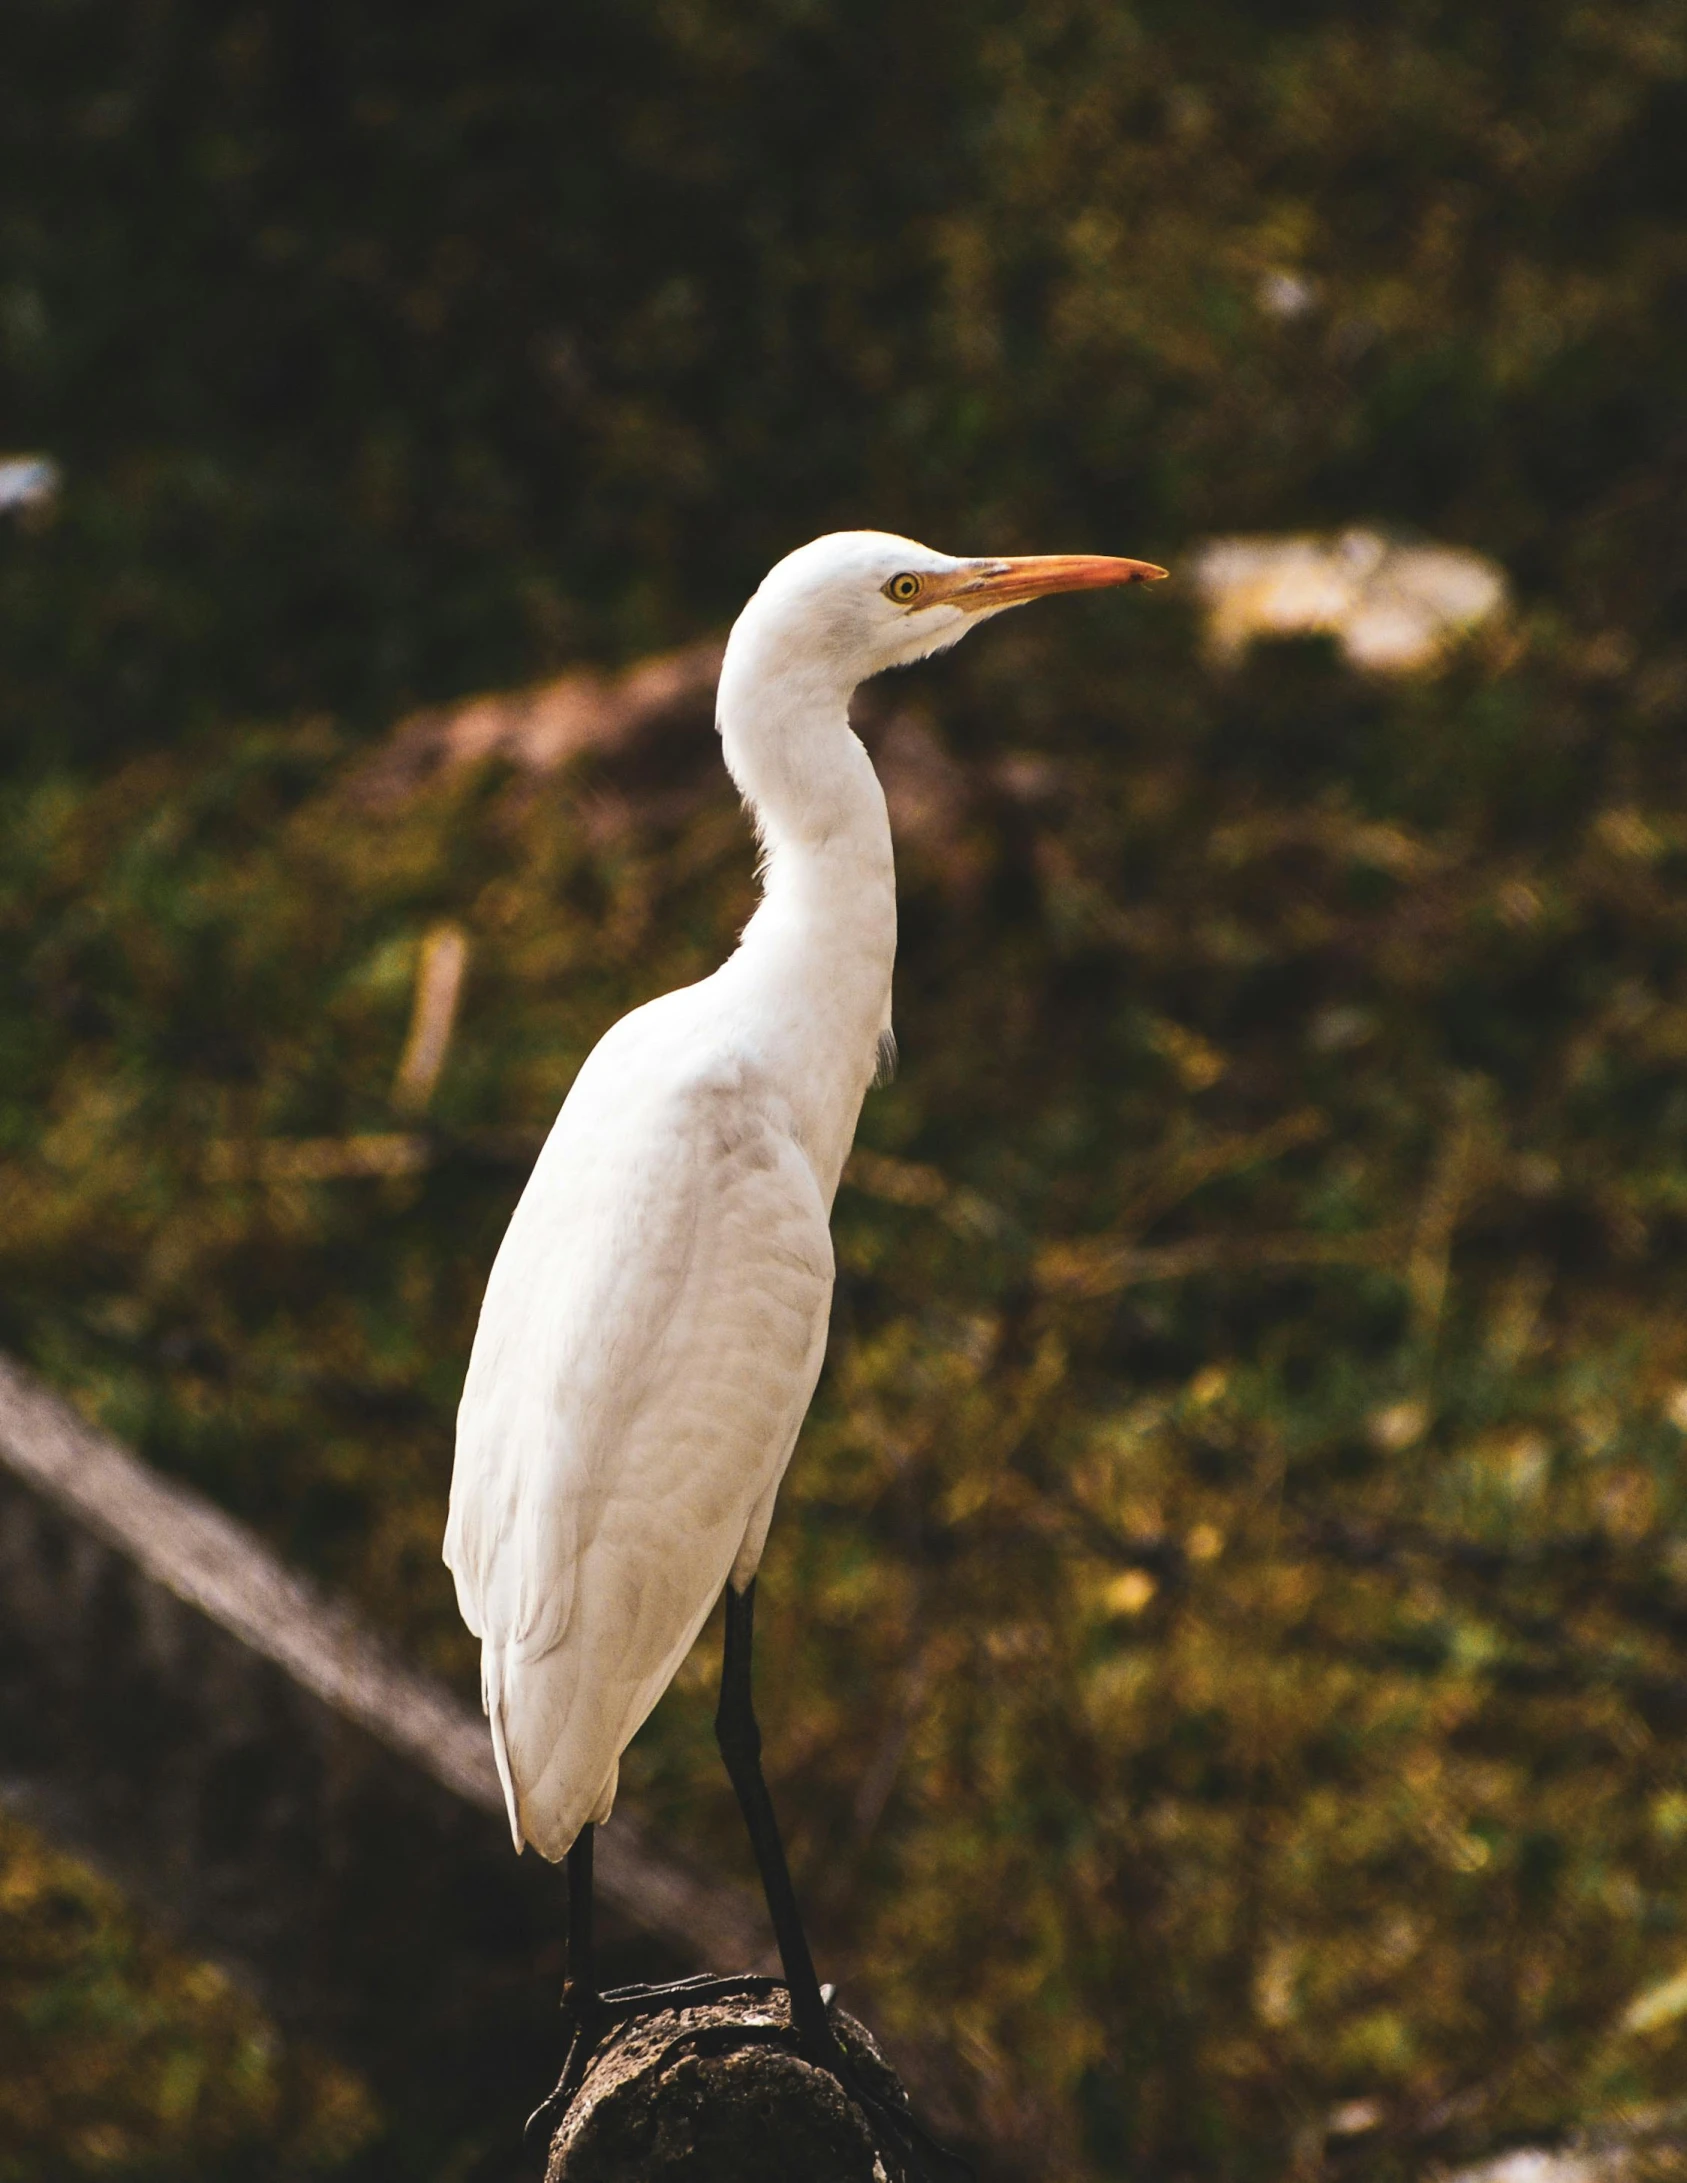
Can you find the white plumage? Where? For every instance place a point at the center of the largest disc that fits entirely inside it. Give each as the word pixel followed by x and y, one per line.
pixel 656 1317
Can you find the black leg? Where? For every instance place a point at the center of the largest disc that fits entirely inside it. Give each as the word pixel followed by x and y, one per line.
pixel 579 1986
pixel 590 2015
pixel 582 2007
pixel 739 1737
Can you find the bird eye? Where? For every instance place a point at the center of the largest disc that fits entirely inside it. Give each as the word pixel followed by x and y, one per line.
pixel 904 588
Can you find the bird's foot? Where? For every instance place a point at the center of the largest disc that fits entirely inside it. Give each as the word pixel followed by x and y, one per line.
pixel 924 2160
pixel 585 2032
pixel 591 2018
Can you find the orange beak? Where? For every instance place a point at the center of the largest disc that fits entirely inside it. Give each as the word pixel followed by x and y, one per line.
pixel 1039 575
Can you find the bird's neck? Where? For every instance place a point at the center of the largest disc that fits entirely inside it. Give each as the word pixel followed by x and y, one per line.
pixel 818 954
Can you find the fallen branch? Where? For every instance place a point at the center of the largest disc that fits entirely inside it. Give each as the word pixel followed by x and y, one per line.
pixel 253 1765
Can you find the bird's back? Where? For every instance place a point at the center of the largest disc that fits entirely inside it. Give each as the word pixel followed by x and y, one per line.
pixel 650 1338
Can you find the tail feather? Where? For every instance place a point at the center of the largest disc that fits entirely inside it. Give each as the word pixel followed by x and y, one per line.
pixel 492 1699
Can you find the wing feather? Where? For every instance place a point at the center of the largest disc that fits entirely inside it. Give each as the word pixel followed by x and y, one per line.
pixel 649 1342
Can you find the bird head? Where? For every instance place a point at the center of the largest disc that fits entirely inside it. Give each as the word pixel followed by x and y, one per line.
pixel 856 602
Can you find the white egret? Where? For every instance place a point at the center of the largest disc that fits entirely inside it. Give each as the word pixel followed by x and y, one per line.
pixel 656 1317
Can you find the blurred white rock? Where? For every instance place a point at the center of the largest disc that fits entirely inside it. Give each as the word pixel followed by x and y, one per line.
pixel 1532 2165
pixel 1648 2141
pixel 1394 608
pixel 27 481
pixel 1283 294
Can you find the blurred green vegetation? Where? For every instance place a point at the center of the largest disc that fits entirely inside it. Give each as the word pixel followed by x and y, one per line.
pixel 1227 1619
pixel 116 2058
